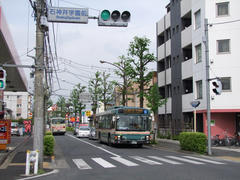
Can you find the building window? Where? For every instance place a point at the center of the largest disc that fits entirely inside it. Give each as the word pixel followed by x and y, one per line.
pixel 198 50
pixel 199 89
pixel 197 19
pixel 19 105
pixel 226 83
pixel 223 9
pixel 223 46
pixel 18 97
pixel 18 114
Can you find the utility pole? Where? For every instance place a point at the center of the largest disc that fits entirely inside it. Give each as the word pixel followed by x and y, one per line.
pixel 207 86
pixel 38 84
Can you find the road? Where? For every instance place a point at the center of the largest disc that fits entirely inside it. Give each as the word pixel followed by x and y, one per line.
pixel 90 160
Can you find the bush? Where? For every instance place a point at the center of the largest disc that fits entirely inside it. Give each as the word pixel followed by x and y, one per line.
pixel 48 133
pixel 48 142
pixel 70 129
pixel 193 141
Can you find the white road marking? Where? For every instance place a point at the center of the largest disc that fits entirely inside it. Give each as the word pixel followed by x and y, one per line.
pixel 81 164
pixel 103 163
pixel 94 145
pixel 204 160
pixel 145 160
pixel 164 160
pixel 124 161
pixel 185 160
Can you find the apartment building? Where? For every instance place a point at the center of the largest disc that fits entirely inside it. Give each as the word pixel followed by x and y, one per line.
pixel 181 66
pixel 132 96
pixel 20 104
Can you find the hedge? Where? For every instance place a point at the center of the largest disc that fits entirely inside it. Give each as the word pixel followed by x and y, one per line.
pixel 193 141
pixel 48 133
pixel 48 142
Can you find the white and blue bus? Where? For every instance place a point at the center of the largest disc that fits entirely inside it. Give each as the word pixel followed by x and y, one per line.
pixel 124 125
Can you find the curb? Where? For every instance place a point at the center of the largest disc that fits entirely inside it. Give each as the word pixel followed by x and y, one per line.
pixel 55 171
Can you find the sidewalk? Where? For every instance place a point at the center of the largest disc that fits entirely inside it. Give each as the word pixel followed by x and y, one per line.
pixel 14 161
pixel 231 153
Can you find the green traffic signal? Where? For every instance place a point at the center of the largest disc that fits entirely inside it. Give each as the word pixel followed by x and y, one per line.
pixel 1 84
pixel 105 15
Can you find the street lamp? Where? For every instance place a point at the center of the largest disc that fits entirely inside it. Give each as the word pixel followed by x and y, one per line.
pixel 124 76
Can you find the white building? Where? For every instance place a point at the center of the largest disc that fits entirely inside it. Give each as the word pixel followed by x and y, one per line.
pixel 19 102
pixel 182 64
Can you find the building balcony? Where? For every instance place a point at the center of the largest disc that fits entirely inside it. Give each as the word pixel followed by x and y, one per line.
pixel 160 24
pixel 161 110
pixel 186 100
pixel 161 50
pixel 161 77
pixel 187 69
pixel 186 6
pixel 187 36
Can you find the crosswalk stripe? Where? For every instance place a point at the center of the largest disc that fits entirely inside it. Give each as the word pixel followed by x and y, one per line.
pixel 145 160
pixel 124 161
pixel 103 163
pixel 204 160
pixel 185 160
pixel 81 164
pixel 164 160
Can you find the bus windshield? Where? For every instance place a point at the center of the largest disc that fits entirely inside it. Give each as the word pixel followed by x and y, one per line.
pixel 58 121
pixel 133 123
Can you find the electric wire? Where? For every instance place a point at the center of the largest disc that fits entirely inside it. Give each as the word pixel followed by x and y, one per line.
pixel 76 4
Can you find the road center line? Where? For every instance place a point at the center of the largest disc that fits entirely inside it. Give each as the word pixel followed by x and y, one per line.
pixel 93 145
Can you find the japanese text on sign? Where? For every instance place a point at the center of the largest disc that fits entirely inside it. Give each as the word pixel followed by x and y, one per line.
pixel 68 15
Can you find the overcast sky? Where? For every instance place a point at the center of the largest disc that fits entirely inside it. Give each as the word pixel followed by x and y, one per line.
pixel 85 44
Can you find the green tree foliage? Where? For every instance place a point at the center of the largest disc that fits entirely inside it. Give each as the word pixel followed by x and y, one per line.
pixel 61 103
pixel 106 96
pixel 125 72
pixel 94 88
pixel 155 100
pixel 141 57
pixel 75 102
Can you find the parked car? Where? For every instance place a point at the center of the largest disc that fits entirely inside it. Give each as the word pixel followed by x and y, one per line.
pixel 83 131
pixel 14 129
pixel 92 134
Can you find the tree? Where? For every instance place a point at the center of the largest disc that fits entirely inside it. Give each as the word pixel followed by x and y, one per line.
pixel 61 103
pixel 124 70
pixel 95 92
pixel 140 57
pixel 155 100
pixel 78 106
pixel 106 94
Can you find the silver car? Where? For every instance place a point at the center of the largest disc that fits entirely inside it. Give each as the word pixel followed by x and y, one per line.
pixel 93 134
pixel 83 131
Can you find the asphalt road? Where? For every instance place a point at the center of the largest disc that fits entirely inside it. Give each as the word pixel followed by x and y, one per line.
pixel 89 160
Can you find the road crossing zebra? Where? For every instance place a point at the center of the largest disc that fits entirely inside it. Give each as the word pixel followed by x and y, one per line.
pixel 132 161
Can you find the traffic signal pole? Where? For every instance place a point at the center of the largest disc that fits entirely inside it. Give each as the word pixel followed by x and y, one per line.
pixel 207 87
pixel 38 85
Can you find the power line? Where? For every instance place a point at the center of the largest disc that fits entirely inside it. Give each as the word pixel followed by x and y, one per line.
pixel 76 4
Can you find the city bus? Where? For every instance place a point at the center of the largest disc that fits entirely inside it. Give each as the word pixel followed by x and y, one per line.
pixel 124 125
pixel 58 125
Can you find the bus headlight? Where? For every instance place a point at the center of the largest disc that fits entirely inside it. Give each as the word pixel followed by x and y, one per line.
pixel 147 138
pixel 119 137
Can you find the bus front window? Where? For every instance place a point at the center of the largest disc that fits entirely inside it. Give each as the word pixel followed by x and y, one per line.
pixel 132 123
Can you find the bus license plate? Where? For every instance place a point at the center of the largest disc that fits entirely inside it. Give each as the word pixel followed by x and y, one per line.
pixel 134 142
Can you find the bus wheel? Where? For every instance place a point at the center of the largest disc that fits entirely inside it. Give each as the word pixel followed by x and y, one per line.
pixel 140 145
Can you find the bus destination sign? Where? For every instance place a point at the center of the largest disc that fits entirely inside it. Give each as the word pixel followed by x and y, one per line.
pixel 133 111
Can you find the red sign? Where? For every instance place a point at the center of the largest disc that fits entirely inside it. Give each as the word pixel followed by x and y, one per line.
pixel 4 131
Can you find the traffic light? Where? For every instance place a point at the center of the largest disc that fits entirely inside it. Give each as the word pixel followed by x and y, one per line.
pixel 114 19
pixel 217 86
pixel 2 79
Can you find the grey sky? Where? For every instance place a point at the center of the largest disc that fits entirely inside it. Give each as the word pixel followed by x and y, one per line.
pixel 85 44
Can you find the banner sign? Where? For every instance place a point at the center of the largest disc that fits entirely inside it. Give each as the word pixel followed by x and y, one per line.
pixel 68 15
